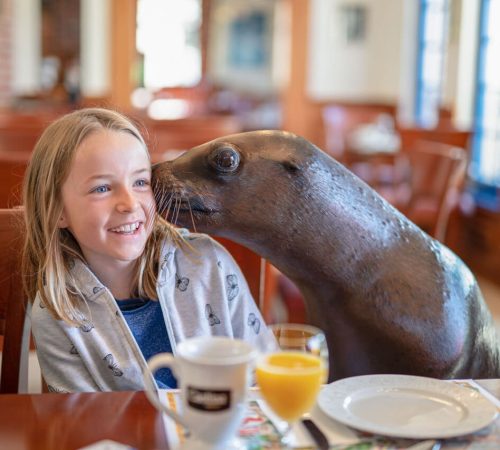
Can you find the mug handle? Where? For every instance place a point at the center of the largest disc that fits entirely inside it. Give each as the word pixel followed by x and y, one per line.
pixel 157 362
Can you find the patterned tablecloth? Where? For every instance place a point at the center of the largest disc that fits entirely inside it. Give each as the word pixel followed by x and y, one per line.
pixel 260 429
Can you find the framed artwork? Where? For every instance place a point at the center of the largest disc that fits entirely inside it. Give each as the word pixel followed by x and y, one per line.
pixel 248 40
pixel 241 46
pixel 354 23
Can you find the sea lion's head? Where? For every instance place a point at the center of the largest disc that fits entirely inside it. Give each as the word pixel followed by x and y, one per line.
pixel 231 182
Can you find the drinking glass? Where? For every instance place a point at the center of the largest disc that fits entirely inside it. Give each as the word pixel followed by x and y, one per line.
pixel 290 377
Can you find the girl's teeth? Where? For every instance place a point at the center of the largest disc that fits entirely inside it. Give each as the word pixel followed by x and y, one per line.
pixel 129 228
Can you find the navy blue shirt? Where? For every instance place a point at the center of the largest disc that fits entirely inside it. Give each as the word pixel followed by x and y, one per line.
pixel 145 320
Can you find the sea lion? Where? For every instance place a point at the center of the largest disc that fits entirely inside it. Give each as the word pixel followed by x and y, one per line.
pixel 390 298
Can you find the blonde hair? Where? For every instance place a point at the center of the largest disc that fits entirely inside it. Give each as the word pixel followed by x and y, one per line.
pixel 49 251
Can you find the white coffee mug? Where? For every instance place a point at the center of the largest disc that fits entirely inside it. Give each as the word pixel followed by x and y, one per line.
pixel 213 373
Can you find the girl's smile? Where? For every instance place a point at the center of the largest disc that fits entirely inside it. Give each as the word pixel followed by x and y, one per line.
pixel 128 228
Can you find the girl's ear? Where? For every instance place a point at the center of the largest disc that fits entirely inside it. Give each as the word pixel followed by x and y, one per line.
pixel 62 223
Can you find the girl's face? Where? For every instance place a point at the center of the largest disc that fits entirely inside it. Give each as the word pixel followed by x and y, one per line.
pixel 107 199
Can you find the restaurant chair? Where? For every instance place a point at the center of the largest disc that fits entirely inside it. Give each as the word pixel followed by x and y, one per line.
pixel 14 325
pixel 340 120
pixel 437 177
pixel 363 139
pixel 411 137
pixel 12 168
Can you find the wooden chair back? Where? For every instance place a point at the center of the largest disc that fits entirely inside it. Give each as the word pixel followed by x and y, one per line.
pixel 340 120
pixel 12 168
pixel 410 137
pixel 14 327
pixel 437 176
pixel 20 131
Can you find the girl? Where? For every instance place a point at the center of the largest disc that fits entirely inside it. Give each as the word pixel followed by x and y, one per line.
pixel 113 284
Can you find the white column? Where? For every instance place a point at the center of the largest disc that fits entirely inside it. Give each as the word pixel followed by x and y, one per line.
pixel 27 46
pixel 95 47
pixel 408 64
pixel 467 64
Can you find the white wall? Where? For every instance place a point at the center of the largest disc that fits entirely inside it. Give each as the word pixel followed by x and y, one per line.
pixel 367 71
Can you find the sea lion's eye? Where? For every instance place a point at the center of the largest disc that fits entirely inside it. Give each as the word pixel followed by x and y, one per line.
pixel 225 159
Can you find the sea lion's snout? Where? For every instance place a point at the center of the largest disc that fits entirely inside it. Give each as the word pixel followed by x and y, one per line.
pixel 177 199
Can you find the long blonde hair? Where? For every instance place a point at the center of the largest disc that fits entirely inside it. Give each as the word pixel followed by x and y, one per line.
pixel 49 251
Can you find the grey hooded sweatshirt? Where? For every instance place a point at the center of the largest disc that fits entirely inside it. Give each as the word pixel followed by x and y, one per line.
pixel 201 292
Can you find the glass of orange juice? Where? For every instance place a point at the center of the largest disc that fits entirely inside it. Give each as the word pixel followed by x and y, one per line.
pixel 290 377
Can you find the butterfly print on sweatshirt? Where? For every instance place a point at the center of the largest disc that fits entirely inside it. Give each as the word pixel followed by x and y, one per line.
pixel 232 287
pixel 86 326
pixel 254 322
pixel 181 283
pixel 210 315
pixel 165 260
pixel 110 360
pixel 97 289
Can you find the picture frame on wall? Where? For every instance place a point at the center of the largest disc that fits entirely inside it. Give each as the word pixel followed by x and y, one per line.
pixel 241 54
pixel 354 19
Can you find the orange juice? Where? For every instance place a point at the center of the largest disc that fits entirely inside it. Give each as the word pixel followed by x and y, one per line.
pixel 290 382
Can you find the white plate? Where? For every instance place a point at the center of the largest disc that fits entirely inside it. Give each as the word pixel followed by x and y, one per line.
pixel 406 406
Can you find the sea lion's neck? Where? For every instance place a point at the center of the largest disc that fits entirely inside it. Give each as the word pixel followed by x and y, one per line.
pixel 339 222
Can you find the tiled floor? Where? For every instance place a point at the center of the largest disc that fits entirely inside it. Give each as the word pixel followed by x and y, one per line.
pixel 491 293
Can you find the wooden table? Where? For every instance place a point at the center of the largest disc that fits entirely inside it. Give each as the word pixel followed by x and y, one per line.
pixel 72 421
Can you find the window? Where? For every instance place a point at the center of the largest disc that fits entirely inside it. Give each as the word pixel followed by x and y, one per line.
pixel 432 37
pixel 485 164
pixel 168 36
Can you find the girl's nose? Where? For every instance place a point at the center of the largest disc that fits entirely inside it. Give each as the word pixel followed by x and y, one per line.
pixel 127 202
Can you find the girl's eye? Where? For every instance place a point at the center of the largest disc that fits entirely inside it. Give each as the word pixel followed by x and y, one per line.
pixel 101 189
pixel 142 182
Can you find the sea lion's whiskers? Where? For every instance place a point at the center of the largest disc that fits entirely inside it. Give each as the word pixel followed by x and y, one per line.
pixel 162 206
pixel 167 201
pixel 170 208
pixel 158 191
pixel 167 206
pixel 191 214
pixel 177 209
pixel 158 195
pixel 152 209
